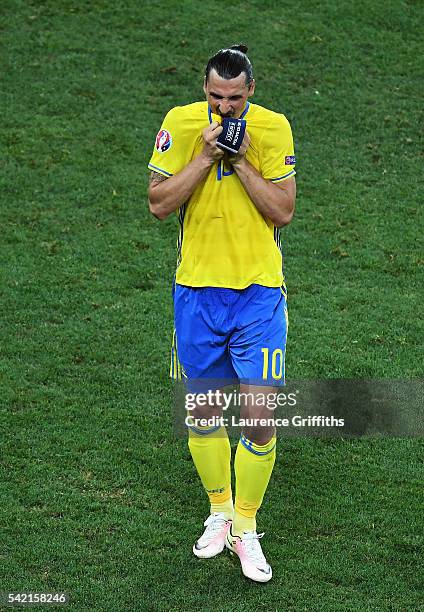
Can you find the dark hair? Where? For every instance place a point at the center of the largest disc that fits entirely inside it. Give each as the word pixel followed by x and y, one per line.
pixel 229 63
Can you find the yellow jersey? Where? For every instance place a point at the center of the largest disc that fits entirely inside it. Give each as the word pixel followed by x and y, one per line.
pixel 224 241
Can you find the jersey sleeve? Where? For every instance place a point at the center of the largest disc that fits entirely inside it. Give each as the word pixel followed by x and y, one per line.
pixel 172 149
pixel 277 158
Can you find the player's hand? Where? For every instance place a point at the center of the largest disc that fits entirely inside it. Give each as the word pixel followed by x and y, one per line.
pixel 236 158
pixel 210 136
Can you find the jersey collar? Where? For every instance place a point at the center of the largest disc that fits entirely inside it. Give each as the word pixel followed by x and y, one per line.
pixel 246 109
pixel 242 116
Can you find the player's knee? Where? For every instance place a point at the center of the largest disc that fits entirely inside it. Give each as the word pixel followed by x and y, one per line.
pixel 259 435
pixel 206 412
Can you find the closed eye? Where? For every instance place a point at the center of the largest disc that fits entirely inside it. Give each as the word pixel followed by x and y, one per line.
pixel 218 97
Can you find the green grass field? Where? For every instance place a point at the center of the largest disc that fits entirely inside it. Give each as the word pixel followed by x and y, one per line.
pixel 98 496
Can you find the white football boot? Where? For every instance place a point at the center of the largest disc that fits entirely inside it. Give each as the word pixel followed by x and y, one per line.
pixel 212 541
pixel 249 551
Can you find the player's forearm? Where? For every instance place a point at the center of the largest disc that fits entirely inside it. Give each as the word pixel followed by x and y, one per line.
pixel 271 200
pixel 168 195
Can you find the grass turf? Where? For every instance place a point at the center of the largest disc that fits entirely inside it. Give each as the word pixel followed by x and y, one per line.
pixel 98 497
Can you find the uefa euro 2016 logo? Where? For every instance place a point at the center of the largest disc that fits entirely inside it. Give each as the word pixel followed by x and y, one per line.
pixel 163 141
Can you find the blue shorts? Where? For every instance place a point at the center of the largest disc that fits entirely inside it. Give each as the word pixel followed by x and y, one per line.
pixel 234 334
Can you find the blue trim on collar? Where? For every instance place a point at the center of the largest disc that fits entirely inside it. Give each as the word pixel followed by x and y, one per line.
pixel 245 110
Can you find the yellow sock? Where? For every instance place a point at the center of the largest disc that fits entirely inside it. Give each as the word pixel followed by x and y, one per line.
pixel 253 467
pixel 211 453
pixel 226 506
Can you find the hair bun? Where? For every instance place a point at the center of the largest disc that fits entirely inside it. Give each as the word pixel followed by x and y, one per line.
pixel 241 48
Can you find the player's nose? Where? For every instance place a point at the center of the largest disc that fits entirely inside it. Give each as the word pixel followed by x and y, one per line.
pixel 224 108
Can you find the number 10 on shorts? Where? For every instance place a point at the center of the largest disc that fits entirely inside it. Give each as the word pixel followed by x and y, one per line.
pixel 276 364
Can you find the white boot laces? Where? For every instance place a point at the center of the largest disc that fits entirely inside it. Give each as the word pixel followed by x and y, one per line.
pixel 213 524
pixel 253 548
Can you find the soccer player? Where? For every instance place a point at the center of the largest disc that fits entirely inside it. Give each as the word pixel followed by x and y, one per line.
pixel 230 310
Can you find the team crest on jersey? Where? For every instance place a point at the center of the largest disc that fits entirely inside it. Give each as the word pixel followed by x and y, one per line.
pixel 290 160
pixel 163 141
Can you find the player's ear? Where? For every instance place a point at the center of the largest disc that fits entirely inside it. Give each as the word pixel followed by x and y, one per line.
pixel 204 86
pixel 252 87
